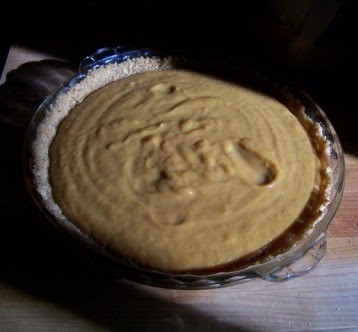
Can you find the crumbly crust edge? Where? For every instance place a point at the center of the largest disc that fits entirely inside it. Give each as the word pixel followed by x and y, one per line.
pixel 56 112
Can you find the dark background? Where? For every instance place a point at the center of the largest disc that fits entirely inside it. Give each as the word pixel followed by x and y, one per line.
pixel 311 42
pixel 259 31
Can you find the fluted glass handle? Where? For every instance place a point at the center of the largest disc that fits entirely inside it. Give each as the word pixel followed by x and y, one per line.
pixel 108 55
pixel 305 264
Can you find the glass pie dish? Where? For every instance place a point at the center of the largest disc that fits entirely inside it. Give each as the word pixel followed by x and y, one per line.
pixel 295 260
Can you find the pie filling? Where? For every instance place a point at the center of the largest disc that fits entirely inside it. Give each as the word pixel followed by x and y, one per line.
pixel 180 171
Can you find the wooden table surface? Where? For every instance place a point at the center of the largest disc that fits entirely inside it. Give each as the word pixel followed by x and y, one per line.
pixel 39 294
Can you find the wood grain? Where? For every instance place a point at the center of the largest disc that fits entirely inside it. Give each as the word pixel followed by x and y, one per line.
pixel 325 299
pixel 345 223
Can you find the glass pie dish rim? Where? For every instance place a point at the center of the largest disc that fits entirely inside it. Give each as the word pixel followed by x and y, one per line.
pixel 297 261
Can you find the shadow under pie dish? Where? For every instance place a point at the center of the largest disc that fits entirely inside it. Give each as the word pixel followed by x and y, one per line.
pixel 184 173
